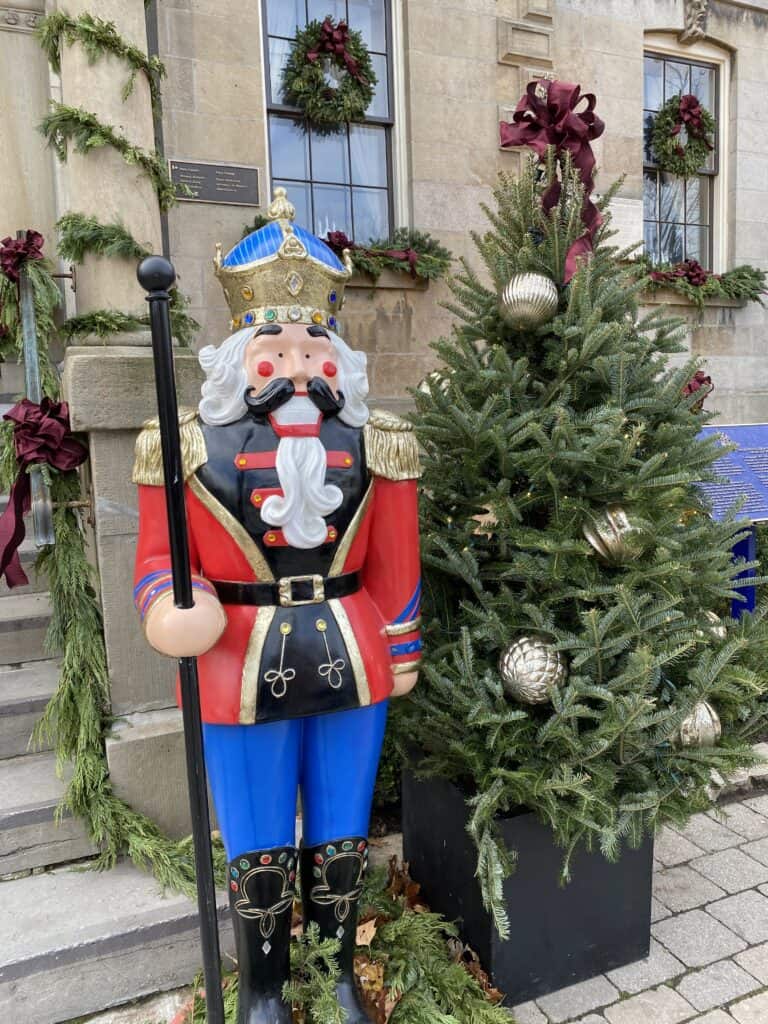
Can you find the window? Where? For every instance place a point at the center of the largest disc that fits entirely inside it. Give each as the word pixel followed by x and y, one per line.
pixel 677 214
pixel 339 182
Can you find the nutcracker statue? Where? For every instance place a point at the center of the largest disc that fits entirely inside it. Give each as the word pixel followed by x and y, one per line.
pixel 303 540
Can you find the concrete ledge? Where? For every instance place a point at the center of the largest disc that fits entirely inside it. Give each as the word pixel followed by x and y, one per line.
pixel 670 297
pixel 389 279
pixel 113 387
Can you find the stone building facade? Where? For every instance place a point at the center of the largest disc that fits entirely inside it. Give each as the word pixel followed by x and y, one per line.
pixel 427 158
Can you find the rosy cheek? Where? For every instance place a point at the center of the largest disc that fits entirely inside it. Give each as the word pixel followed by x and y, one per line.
pixel 329 369
pixel 265 368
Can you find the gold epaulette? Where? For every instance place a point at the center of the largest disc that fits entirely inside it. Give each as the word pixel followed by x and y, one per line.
pixel 148 464
pixel 391 448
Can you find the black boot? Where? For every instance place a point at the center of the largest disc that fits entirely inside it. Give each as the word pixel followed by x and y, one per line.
pixel 331 883
pixel 261 892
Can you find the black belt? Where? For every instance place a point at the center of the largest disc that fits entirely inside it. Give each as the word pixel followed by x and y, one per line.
pixel 288 591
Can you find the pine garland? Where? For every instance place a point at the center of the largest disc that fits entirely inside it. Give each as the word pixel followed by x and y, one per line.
pixel 99 39
pixel 78 715
pixel 744 283
pixel 80 234
pixel 102 323
pixel 416 955
pixel 81 127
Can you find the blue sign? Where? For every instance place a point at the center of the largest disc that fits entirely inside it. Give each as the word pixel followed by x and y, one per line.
pixel 745 470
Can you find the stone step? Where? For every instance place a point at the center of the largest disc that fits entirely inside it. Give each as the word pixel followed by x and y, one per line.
pixel 24 620
pixel 24 693
pixel 76 942
pixel 27 555
pixel 30 837
pixel 12 380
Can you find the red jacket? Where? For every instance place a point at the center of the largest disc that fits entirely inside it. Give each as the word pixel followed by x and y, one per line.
pixel 378 624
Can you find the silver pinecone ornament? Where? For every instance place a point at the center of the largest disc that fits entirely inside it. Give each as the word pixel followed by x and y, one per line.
pixel 528 301
pixel 531 668
pixel 614 536
pixel 702 727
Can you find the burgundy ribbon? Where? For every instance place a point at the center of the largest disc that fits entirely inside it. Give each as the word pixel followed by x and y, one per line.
pixel 702 382
pixel 690 115
pixel 547 116
pixel 333 42
pixel 691 270
pixel 338 241
pixel 41 434
pixel 14 252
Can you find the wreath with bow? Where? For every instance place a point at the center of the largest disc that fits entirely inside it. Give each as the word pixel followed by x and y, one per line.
pixel 682 135
pixel 329 74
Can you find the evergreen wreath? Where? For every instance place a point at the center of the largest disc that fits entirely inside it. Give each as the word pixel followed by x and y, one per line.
pixel 317 47
pixel 682 113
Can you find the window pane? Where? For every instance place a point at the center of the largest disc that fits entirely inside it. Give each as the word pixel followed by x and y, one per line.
pixel 651 241
pixel 650 196
pixel 671 243
pixel 703 86
pixel 290 148
pixel 653 83
pixel 333 209
pixel 299 196
pixel 697 245
pixel 330 157
pixel 379 106
pixel 676 79
pixel 648 154
pixel 279 49
pixel 670 197
pixel 284 15
pixel 319 9
pixel 367 16
pixel 697 200
pixel 369 155
pixel 371 214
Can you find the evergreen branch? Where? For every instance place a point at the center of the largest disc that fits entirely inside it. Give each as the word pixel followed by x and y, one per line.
pixel 99 39
pixel 80 235
pixel 104 322
pixel 72 124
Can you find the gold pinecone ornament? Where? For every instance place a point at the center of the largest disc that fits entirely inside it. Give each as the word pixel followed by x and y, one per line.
pixel 614 536
pixel 701 728
pixel 528 301
pixel 531 669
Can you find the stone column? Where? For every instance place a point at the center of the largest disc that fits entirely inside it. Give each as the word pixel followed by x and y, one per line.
pixel 111 391
pixel 100 183
pixel 27 198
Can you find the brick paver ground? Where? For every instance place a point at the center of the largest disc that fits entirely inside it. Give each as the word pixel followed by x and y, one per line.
pixel 709 952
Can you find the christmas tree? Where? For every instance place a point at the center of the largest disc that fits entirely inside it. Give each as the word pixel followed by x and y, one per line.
pixel 581 659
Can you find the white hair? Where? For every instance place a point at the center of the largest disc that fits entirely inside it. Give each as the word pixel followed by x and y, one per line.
pixel 301 462
pixel 226 380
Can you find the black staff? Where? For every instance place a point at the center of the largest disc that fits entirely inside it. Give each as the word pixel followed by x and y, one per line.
pixel 156 275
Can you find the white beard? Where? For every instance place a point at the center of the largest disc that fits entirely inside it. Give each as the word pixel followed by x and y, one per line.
pixel 301 466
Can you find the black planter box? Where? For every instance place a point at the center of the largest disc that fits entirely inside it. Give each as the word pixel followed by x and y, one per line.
pixel 559 934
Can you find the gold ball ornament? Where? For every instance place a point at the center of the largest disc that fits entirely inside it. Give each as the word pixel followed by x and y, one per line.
pixel 614 536
pixel 531 669
pixel 528 301
pixel 701 728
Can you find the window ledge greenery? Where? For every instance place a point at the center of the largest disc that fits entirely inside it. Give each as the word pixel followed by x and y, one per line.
pixel 688 283
pixel 389 279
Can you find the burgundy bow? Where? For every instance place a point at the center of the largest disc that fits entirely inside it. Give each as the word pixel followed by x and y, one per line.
pixel 338 241
pixel 547 116
pixel 700 382
pixel 333 41
pixel 691 270
pixel 16 251
pixel 41 434
pixel 690 115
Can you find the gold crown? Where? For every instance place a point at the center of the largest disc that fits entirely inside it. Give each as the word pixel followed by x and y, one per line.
pixel 290 282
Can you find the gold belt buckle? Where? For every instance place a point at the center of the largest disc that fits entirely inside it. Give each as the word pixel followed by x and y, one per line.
pixel 285 590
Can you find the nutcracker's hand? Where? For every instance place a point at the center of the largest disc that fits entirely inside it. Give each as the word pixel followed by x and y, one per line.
pixel 404 683
pixel 185 632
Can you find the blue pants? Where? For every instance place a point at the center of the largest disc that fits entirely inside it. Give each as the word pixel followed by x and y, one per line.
pixel 255 772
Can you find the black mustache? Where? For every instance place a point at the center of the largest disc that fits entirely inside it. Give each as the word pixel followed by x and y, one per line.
pixel 275 394
pixel 321 393
pixel 282 390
